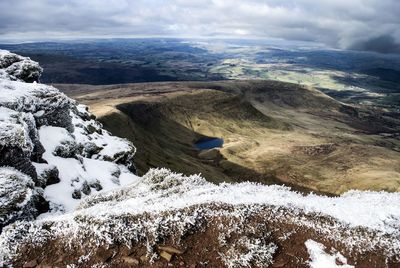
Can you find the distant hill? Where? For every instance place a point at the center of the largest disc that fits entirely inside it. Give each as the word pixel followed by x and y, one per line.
pixel 385 74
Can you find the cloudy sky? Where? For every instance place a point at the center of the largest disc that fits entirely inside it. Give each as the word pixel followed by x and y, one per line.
pixel 347 24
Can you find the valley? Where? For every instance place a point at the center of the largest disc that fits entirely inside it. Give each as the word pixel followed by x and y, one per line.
pixel 273 132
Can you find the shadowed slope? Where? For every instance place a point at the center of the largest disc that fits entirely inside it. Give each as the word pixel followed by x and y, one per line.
pixel 272 131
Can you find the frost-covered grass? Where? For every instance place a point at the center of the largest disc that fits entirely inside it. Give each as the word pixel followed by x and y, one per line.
pixel 161 190
pixel 164 205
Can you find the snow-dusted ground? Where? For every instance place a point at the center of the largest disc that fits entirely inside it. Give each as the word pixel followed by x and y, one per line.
pixel 177 202
pixel 379 211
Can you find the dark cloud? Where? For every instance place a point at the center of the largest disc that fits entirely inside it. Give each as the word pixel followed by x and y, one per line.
pixel 382 44
pixel 359 24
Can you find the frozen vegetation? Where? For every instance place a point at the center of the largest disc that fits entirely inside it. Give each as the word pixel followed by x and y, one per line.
pixel 164 206
pixel 66 183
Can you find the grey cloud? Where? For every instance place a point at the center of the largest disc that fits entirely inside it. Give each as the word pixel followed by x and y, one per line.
pixel 382 44
pixel 349 24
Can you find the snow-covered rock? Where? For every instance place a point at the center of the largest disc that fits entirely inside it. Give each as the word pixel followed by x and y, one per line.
pixel 18 140
pixel 15 67
pixel 46 174
pixel 54 141
pixel 47 104
pixel 19 199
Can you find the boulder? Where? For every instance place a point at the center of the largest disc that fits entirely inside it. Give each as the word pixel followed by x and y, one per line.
pixel 19 199
pixel 20 68
pixel 18 136
pixel 47 175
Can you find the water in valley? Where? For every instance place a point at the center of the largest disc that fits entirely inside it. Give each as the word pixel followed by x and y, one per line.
pixel 209 143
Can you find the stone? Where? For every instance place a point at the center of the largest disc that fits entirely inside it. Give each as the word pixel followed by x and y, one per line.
pixel 280 263
pixel 85 188
pixel 22 68
pixel 96 185
pixel 144 258
pixel 170 250
pixel 106 255
pixel 31 264
pixel 91 149
pixel 19 198
pixel 166 256
pixel 67 149
pixel 12 156
pixel 76 194
pixel 44 266
pixel 91 129
pixel 47 176
pixel 130 260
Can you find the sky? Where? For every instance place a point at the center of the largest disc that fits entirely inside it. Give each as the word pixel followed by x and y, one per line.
pixel 372 25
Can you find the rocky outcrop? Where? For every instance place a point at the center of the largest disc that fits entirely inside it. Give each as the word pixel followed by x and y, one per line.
pixel 19 199
pixel 46 175
pixel 16 67
pixel 52 146
pixel 18 140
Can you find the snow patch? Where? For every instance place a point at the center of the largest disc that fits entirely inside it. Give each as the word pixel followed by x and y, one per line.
pixel 79 176
pixel 321 259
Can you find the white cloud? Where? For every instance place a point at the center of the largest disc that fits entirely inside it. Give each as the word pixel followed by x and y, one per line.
pixel 338 23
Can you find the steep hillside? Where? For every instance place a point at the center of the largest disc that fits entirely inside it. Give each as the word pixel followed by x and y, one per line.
pixel 273 133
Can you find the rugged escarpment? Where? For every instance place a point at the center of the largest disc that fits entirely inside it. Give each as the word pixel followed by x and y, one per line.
pixel 53 151
pixel 69 198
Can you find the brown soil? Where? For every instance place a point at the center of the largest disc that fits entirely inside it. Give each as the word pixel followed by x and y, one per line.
pixel 200 247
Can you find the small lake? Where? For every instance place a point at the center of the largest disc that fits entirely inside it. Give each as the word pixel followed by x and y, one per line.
pixel 209 143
